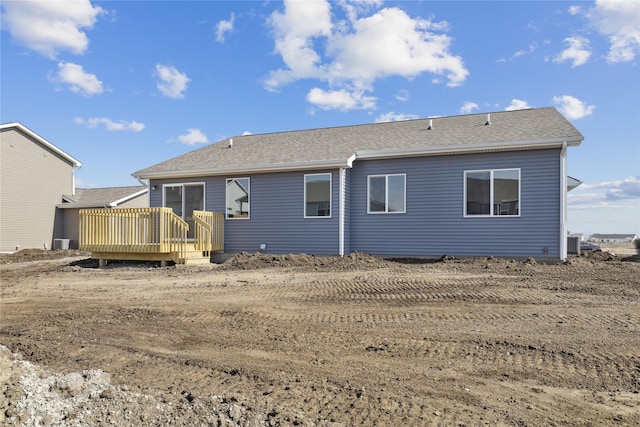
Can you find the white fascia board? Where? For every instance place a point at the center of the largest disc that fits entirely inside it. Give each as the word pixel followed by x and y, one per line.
pixel 282 167
pixel 129 197
pixel 67 199
pixel 76 163
pixel 468 148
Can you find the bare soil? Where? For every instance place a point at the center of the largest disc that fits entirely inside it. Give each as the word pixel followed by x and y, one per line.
pixel 320 341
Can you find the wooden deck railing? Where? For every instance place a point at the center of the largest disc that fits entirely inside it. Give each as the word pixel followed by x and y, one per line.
pixel 208 231
pixel 148 230
pixel 146 233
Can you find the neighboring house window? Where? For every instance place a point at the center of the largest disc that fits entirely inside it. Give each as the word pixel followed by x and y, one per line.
pixel 387 193
pixel 238 198
pixel 317 195
pixel 492 192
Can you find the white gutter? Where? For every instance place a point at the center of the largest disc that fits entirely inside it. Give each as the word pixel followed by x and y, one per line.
pixel 363 155
pixel 563 202
pixel 467 148
pixel 280 167
pixel 342 210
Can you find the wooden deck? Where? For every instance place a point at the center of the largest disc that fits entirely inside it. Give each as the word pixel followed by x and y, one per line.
pixel 150 234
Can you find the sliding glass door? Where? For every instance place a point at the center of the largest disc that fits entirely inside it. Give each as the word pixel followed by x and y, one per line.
pixel 184 199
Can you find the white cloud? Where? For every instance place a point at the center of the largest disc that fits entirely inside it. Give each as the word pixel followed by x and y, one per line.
pixel 620 194
pixel 393 117
pixel 354 8
pixel 358 52
pixel 402 95
pixel 578 51
pixel 78 80
pixel 172 83
pixel 391 43
pixel 574 10
pixel 109 124
pixel 571 107
pixel 620 22
pixel 193 136
pixel 468 107
pixel 628 188
pixel 517 104
pixel 522 52
pixel 50 26
pixel 529 50
pixel 223 27
pixel 340 99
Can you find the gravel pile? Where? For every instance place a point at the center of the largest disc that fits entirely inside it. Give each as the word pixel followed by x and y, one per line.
pixel 31 396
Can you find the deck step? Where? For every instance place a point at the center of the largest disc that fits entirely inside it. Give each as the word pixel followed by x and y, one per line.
pixel 199 260
pixel 194 256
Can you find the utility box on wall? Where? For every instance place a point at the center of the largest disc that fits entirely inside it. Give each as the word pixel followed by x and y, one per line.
pixel 61 244
pixel 573 245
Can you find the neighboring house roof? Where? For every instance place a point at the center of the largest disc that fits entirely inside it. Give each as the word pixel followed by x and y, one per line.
pixel 613 236
pixel 572 183
pixel 109 197
pixel 41 141
pixel 340 146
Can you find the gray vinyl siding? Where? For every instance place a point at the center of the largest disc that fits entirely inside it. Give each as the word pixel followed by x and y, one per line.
pixel 276 214
pixel 33 180
pixel 434 222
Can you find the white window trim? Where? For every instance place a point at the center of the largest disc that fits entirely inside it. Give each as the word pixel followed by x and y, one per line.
pixel 386 194
pixel 226 198
pixel 187 184
pixel 304 206
pixel 491 214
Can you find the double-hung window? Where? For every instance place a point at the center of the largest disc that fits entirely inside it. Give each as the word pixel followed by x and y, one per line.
pixel 238 198
pixel 386 194
pixel 494 192
pixel 317 195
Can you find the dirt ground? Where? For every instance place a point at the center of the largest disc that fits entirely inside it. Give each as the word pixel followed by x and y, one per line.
pixel 320 341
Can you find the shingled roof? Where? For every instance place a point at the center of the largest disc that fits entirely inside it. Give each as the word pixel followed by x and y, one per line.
pixel 340 146
pixel 101 197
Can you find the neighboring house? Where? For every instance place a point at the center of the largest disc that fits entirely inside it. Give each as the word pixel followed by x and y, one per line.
pixel 612 238
pixel 88 198
pixel 472 185
pixel 34 174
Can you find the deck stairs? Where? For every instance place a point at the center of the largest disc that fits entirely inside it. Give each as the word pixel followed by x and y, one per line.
pixel 194 256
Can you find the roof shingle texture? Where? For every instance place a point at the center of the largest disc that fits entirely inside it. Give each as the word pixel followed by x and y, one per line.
pixel 340 143
pixel 103 196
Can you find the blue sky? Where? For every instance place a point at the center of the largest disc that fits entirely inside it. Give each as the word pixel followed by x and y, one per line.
pixel 122 85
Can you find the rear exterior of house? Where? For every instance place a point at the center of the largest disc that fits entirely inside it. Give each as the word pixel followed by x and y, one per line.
pixel 34 174
pixel 472 185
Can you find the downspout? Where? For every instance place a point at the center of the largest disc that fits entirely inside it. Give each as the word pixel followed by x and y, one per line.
pixel 563 201
pixel 341 207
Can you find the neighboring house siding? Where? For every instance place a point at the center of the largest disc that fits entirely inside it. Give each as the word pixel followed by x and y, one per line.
pixel 434 222
pixel 276 214
pixel 33 179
